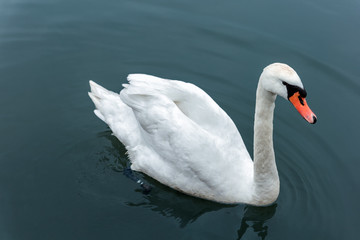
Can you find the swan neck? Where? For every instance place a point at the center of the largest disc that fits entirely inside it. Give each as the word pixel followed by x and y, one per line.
pixel 266 179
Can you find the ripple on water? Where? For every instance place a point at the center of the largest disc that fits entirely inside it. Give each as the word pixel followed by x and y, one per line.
pixel 304 190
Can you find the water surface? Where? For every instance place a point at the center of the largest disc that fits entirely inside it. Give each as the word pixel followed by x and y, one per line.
pixel 61 170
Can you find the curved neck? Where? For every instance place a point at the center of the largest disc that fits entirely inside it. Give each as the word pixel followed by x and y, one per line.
pixel 266 179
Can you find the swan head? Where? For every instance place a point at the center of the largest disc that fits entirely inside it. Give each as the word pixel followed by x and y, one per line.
pixel 282 80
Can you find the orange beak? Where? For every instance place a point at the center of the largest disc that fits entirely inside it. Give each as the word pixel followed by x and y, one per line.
pixel 302 107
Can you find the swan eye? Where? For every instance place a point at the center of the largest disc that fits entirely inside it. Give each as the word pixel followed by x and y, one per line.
pixel 291 90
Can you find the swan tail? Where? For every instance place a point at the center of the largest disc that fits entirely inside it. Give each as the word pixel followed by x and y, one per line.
pixel 97 94
pixel 99 115
pixel 120 116
pixel 114 112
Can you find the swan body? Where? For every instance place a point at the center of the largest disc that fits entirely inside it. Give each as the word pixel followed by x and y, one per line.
pixel 175 133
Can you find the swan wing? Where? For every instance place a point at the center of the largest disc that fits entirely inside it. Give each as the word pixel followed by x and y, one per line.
pixel 193 102
pixel 175 133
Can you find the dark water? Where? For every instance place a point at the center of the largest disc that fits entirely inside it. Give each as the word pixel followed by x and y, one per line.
pixel 61 170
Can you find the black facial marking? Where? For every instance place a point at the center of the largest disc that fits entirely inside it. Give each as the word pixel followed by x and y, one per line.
pixel 291 89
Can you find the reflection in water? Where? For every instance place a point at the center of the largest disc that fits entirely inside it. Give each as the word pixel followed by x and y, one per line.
pixel 117 150
pixel 256 217
pixel 185 209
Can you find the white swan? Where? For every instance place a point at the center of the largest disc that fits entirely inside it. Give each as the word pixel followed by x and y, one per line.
pixel 175 133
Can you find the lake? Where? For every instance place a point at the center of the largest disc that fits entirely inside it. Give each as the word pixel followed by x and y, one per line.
pixel 61 170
